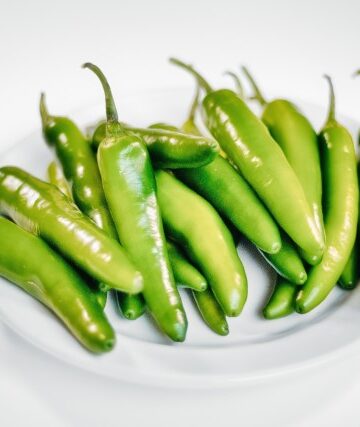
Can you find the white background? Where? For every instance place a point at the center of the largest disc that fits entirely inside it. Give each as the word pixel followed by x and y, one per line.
pixel 288 45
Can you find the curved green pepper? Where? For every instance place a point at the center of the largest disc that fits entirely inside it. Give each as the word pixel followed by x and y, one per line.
pixel 282 300
pixel 211 312
pixel 57 178
pixel 287 262
pixel 298 140
pixel 42 209
pixel 169 149
pixel 131 306
pixel 230 194
pixel 129 187
pixel 193 223
pixel 351 273
pixel 248 144
pixel 341 200
pixel 30 263
pixel 185 274
pixel 79 165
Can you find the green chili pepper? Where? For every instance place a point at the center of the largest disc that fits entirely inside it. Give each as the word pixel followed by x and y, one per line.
pixel 230 194
pixel 185 274
pixel 247 142
pixel 30 263
pixel 131 306
pixel 42 209
pixel 350 275
pixel 79 166
pixel 287 262
pixel 341 199
pixel 169 149
pixel 297 139
pixel 211 312
pixel 193 223
pixel 57 178
pixel 282 300
pixel 129 186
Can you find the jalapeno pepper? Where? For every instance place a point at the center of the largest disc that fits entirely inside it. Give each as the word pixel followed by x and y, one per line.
pixel 42 209
pixel 297 139
pixel 195 225
pixel 341 200
pixel 248 144
pixel 169 149
pixel 129 187
pixel 31 264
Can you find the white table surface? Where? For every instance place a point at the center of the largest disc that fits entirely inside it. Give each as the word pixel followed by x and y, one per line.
pixel 288 45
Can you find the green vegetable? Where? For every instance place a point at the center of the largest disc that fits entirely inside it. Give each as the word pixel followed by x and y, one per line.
pixel 57 178
pixel 341 200
pixel 287 262
pixel 195 225
pixel 43 210
pixel 248 144
pixel 31 264
pixel 129 186
pixel 185 274
pixel 282 300
pixel 350 276
pixel 298 141
pixel 131 306
pixel 169 149
pixel 211 312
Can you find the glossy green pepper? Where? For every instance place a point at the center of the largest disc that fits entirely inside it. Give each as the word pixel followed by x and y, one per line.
pixel 341 200
pixel 282 300
pixel 131 306
pixel 249 145
pixel 350 276
pixel 287 262
pixel 211 312
pixel 30 263
pixel 185 274
pixel 79 165
pixel 42 209
pixel 129 186
pixel 169 149
pixel 298 140
pixel 57 178
pixel 195 225
pixel 231 195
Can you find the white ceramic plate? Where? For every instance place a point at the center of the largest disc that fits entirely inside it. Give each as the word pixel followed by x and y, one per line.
pixel 254 350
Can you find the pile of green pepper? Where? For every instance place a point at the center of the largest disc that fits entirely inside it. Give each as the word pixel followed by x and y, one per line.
pixel 142 212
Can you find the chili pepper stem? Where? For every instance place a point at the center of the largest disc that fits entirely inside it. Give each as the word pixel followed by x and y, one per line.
pixel 239 86
pixel 111 111
pixel 200 79
pixel 331 113
pixel 194 105
pixel 44 113
pixel 257 96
